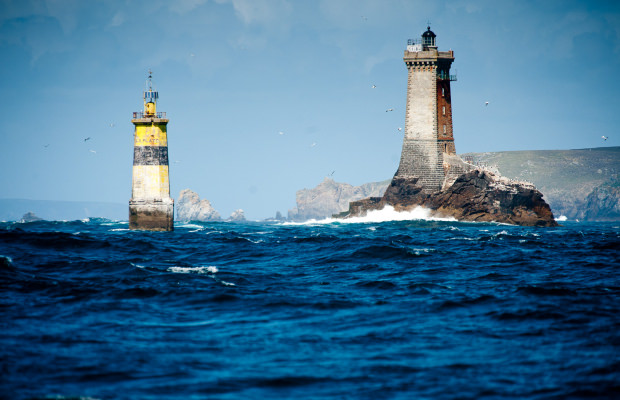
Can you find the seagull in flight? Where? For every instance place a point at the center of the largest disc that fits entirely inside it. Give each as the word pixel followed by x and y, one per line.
pixel 374 86
pixel 88 138
pixel 93 151
pixel 332 174
pixel 111 124
pixel 46 145
pixel 281 133
pixel 486 103
pixel 364 18
pixel 389 109
pixel 604 137
pixel 400 129
pixel 313 144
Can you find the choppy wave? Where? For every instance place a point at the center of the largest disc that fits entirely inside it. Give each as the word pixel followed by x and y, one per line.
pixel 386 307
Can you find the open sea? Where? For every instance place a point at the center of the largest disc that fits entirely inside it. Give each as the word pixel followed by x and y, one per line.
pixel 412 309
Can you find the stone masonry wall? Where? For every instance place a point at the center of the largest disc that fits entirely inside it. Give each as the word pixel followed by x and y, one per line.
pixel 420 154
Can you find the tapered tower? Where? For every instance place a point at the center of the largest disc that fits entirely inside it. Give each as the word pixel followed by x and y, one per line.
pixel 150 207
pixel 428 118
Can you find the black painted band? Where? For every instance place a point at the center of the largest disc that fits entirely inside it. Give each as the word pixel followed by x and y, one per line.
pixel 150 155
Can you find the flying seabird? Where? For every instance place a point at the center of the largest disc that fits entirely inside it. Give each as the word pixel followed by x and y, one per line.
pixel 92 151
pixel 400 129
pixel 374 86
pixel 486 103
pixel 313 144
pixel 88 138
pixel 389 109
pixel 46 145
pixel 604 137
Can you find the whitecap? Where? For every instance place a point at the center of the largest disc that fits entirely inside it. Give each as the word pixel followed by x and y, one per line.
pixel 387 214
pixel 191 226
pixel 200 270
pixel 561 218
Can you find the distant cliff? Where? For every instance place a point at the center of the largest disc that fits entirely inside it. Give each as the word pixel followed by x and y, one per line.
pixel 603 203
pixel 331 197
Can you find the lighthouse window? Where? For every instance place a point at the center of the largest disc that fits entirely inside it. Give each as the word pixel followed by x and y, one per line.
pixel 443 91
pixel 444 129
pixel 443 110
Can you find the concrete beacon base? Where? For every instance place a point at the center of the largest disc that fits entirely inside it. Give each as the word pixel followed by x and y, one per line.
pixel 151 215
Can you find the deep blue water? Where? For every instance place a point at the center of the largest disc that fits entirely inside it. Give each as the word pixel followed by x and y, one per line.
pixel 391 310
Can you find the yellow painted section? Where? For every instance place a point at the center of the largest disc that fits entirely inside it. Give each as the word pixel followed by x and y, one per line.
pixel 149 108
pixel 150 182
pixel 151 135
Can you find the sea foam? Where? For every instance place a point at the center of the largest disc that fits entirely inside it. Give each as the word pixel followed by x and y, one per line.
pixel 388 213
pixel 188 270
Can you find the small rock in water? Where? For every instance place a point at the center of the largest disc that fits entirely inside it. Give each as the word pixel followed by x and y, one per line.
pixel 237 215
pixel 30 217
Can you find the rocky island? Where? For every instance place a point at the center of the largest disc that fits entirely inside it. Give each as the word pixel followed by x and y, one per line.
pixel 477 195
pixel 430 173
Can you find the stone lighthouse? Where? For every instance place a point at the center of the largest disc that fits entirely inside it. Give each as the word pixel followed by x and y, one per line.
pixel 150 207
pixel 428 116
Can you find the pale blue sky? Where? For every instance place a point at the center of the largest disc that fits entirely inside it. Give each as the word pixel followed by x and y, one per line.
pixel 233 74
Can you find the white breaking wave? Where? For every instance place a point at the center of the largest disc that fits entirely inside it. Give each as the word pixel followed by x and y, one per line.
pixel 561 218
pixel 196 227
pixel 384 215
pixel 188 270
pixel 211 269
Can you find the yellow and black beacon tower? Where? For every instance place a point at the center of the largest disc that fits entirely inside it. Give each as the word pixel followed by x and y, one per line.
pixel 150 207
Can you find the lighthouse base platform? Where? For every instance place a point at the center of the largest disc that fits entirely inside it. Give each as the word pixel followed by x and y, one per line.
pixel 151 215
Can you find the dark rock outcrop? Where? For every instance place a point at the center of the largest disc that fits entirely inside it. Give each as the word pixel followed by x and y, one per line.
pixel 477 195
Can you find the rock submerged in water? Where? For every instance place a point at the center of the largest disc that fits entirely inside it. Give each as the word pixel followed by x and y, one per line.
pixel 477 195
